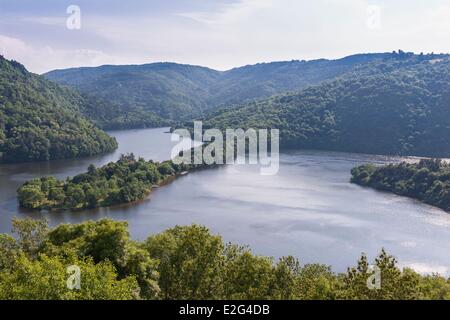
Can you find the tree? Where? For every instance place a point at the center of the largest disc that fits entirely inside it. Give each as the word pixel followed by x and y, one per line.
pixel 92 198
pixel 9 252
pixel 166 169
pixel 139 263
pixel 317 282
pixel 107 240
pixel 30 196
pixel 92 170
pixel 46 279
pixel 286 272
pixel 395 284
pixel 31 234
pixel 57 194
pixel 247 276
pixel 190 264
pixel 75 196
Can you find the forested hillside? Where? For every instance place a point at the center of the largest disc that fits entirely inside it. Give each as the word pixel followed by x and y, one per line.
pixel 160 93
pixel 40 120
pixel 110 115
pixel 398 106
pixel 427 181
pixel 392 103
pixel 184 263
pixel 266 79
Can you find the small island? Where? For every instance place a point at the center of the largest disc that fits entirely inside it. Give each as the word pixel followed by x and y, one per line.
pixel 428 180
pixel 127 180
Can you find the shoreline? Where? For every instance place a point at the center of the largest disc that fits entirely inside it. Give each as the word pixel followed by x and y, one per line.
pixel 146 197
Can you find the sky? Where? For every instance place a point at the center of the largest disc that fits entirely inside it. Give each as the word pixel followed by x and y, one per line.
pixel 221 34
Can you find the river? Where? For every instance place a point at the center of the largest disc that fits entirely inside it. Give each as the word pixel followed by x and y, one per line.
pixel 308 210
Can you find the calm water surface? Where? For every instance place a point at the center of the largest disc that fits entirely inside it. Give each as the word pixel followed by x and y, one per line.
pixel 309 210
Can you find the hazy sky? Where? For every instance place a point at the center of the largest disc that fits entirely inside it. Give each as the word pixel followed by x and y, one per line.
pixel 219 34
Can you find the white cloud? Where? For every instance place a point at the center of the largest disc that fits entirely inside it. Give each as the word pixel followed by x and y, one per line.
pixel 38 59
pixel 49 21
pixel 425 268
pixel 408 244
pixel 231 13
pixel 234 34
pixel 11 46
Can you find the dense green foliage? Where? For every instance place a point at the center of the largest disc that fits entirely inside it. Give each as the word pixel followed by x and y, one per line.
pixel 428 180
pixel 395 106
pixel 112 116
pixel 181 263
pixel 40 120
pixel 160 93
pixel 267 79
pixel 124 181
pixel 154 91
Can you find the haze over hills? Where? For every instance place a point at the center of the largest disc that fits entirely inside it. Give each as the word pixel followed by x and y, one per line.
pixel 397 106
pixel 40 120
pixel 160 93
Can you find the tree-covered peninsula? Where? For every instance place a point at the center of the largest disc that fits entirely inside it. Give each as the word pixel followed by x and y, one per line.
pixel 127 180
pixel 427 180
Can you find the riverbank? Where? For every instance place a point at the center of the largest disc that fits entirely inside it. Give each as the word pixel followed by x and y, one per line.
pixel 427 181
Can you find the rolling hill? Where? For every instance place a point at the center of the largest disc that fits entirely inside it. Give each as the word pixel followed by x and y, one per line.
pixel 161 93
pixel 40 120
pixel 398 106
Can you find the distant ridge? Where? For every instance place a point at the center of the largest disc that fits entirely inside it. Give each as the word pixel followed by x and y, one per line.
pixel 395 106
pixel 40 120
pixel 163 93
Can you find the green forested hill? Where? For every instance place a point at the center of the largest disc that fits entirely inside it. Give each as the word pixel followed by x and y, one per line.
pixel 184 263
pixel 40 120
pixel 390 103
pixel 267 79
pixel 399 105
pixel 159 93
